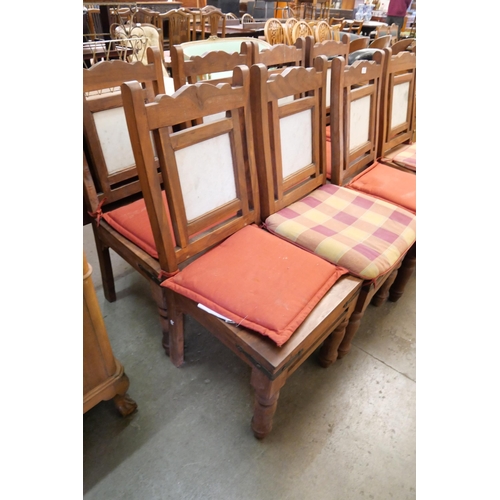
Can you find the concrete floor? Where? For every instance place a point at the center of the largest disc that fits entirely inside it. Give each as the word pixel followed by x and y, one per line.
pixel 344 433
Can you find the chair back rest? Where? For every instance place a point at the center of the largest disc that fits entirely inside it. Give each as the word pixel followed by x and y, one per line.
pixel 211 22
pixel 408 44
pixel 274 31
pixel 215 66
pixel 122 15
pixel 381 31
pixel 247 18
pixel 394 32
pixel 330 49
pixel 336 30
pixel 398 100
pixel 277 57
pixel 357 44
pixel 112 176
pixel 301 30
pixel 289 25
pixel 337 20
pixel 179 26
pixel 354 117
pixel 381 42
pixel 289 131
pixel 94 25
pixel 208 170
pixel 354 27
pixel 144 15
pixel 322 31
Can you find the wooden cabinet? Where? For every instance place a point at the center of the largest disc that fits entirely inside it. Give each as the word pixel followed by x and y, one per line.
pixel 103 375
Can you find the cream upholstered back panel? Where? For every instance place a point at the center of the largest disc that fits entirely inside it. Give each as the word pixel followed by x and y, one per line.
pixel 114 138
pixel 296 142
pixel 206 175
pixel 400 96
pixel 359 125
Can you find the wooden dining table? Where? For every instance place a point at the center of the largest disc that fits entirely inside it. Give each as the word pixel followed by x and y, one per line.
pixel 368 26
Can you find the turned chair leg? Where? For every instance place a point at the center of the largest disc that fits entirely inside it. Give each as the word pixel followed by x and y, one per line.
pixel 328 353
pixel 383 292
pixel 160 297
pixel 404 274
pixel 266 401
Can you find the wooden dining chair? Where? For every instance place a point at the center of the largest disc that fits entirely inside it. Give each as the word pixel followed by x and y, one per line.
pixel 396 144
pixel 329 49
pixel 381 42
pixel 179 28
pixel 337 20
pixel 277 57
pixel 274 32
pixel 288 27
pixel 214 66
pixel 336 30
pixel 358 43
pixel 112 192
pixel 380 31
pixel 271 303
pixel 322 32
pixel 346 228
pixel 94 23
pixel 301 30
pixel 144 15
pixel 247 18
pixel 353 27
pixel 213 24
pixel 405 44
pixel 120 15
pixel 352 147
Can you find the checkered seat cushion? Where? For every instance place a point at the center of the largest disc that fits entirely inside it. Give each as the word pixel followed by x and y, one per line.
pixel 405 156
pixel 365 235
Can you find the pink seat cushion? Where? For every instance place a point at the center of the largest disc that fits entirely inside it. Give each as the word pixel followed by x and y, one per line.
pixel 258 281
pixel 389 184
pixel 348 228
pixel 404 156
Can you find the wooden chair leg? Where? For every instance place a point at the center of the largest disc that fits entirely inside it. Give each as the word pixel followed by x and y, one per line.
pixel 383 293
pixel 175 331
pixel 329 350
pixel 266 401
pixel 108 281
pixel 404 274
pixel 160 297
pixel 355 320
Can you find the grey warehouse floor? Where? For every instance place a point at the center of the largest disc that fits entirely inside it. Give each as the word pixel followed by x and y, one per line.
pixel 348 432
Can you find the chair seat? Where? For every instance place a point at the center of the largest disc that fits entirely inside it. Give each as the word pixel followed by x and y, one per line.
pixel 404 156
pixel 258 281
pixel 132 221
pixel 353 230
pixel 389 184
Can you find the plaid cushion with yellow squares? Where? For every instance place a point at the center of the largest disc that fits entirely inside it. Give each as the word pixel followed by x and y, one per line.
pixel 405 156
pixel 365 235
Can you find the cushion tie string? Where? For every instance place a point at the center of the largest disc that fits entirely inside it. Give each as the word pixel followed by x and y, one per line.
pixel 98 213
pixel 163 275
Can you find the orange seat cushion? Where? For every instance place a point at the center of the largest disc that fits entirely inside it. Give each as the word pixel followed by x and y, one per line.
pixel 132 221
pixel 388 184
pixel 259 281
